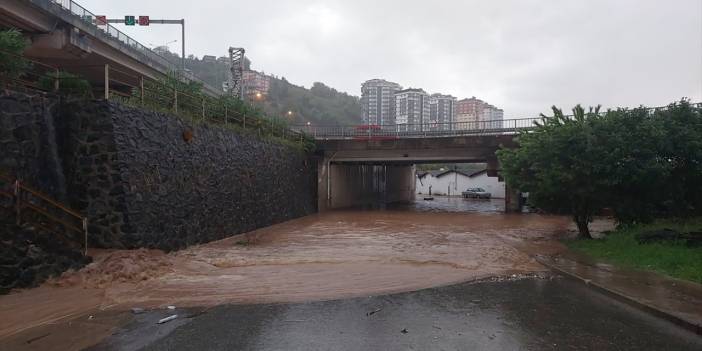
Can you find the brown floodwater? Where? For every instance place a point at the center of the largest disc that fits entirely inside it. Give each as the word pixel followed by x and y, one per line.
pixel 336 254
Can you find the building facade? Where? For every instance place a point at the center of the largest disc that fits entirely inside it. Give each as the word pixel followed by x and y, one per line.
pixel 411 109
pixel 442 110
pixel 378 101
pixel 474 113
pixel 453 183
pixel 256 85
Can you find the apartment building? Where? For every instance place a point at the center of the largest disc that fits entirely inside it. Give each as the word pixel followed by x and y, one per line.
pixel 442 109
pixel 411 109
pixel 378 101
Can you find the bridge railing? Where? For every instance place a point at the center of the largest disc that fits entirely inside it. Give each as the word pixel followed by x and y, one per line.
pixel 395 131
pixel 154 59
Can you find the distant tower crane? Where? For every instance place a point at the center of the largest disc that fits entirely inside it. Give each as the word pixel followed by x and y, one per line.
pixel 236 72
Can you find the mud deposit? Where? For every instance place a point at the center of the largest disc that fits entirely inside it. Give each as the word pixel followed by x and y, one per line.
pixel 328 256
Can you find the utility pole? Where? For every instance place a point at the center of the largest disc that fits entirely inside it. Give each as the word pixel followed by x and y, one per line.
pixel 236 72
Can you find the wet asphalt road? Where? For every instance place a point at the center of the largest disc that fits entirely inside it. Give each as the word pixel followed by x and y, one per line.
pixel 527 314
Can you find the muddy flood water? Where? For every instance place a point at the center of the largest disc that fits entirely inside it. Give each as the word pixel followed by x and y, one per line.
pixel 337 254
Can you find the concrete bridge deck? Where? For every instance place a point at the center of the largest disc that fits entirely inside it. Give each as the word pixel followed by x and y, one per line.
pixel 64 35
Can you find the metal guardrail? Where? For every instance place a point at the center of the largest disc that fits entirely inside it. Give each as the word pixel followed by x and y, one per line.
pixel 22 199
pixel 396 131
pixel 449 129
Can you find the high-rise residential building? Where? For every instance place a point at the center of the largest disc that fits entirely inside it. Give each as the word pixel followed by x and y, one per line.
pixel 378 101
pixel 474 113
pixel 411 109
pixel 442 109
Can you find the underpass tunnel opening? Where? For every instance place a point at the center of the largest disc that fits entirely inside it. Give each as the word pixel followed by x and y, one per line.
pixel 453 186
pixel 367 184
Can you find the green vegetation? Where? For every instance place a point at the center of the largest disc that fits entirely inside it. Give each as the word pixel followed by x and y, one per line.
pixel 69 85
pixel 640 164
pixel 190 103
pixel 12 44
pixel 674 259
pixel 320 105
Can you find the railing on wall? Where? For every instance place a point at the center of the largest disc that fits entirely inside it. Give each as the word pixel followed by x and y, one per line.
pixel 149 93
pixel 162 96
pixel 32 206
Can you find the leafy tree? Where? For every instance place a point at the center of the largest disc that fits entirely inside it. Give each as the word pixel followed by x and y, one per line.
pixel 680 142
pixel 12 45
pixel 558 164
pixel 639 163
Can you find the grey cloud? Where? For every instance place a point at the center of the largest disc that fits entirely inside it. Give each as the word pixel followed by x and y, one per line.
pixel 523 56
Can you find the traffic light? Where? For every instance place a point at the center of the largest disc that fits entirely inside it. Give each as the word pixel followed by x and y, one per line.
pixel 129 20
pixel 143 20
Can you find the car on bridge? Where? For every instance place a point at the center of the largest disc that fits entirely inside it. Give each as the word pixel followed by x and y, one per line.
pixel 476 193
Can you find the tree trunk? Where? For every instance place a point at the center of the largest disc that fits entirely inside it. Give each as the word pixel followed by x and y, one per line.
pixel 583 229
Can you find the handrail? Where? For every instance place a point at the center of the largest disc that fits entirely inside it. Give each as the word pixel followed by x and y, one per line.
pixel 20 202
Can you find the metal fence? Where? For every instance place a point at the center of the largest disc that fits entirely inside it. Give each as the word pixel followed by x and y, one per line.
pixel 162 96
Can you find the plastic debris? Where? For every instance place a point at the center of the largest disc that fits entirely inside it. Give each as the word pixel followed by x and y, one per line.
pixel 167 319
pixel 404 331
pixel 137 310
pixel 171 307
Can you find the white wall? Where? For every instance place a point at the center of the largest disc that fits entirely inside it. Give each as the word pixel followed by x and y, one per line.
pixel 455 183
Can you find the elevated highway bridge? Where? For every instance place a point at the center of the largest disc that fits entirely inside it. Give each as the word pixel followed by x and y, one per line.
pixel 370 163
pixel 63 34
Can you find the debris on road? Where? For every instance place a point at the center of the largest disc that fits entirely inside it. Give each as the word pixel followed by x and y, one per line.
pixel 171 307
pixel 404 331
pixel 167 319
pixel 137 310
pixel 374 312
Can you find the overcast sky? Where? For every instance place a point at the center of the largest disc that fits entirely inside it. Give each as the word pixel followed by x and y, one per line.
pixel 522 56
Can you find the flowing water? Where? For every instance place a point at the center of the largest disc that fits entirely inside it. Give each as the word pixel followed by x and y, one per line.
pixel 332 255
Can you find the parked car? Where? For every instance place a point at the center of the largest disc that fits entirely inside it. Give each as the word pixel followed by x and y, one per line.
pixel 476 193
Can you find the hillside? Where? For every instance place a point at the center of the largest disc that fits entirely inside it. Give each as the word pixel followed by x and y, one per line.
pixel 319 105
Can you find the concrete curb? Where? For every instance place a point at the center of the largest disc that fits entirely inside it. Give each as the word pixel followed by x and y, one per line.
pixel 629 300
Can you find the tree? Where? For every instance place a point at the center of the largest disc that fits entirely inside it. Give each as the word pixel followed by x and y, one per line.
pixel 640 163
pixel 557 164
pixel 12 45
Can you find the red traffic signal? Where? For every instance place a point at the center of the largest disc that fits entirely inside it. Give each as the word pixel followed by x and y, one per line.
pixel 100 20
pixel 143 20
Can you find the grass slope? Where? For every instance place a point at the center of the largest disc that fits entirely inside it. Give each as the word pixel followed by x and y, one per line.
pixel 673 259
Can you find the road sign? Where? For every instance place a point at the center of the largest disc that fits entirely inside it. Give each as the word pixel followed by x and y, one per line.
pixel 143 20
pixel 129 20
pixel 100 20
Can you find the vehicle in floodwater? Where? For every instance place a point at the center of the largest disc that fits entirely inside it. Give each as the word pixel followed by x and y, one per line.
pixel 476 193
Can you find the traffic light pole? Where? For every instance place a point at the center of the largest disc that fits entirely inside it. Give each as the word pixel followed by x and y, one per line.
pixel 165 21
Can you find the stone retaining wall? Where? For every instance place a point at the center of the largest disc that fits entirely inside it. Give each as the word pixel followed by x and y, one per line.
pixel 147 179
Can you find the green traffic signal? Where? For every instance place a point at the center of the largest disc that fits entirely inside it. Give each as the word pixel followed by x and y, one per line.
pixel 129 20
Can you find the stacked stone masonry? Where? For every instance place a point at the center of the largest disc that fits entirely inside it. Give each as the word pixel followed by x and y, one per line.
pixel 147 179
